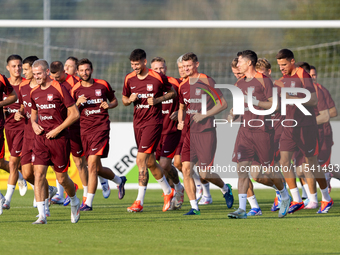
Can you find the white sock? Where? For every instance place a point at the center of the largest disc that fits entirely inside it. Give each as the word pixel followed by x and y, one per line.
pixel 73 200
pixel 253 202
pixel 225 189
pixel 304 192
pixel 325 195
pixel 296 195
pixel 178 186
pixel 101 179
pixel 164 185
pixel 307 191
pixel 89 199
pixel 242 201
pixel 10 191
pixel 60 189
pixel 284 194
pixel 41 209
pixel 197 179
pixel 117 180
pixel 274 187
pixel 313 198
pixel 194 204
pixel 141 194
pixel 20 175
pixel 47 208
pixel 85 191
pixel 206 190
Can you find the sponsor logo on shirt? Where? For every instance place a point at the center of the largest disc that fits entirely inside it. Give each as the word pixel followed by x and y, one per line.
pixel 98 92
pixel 141 106
pixel 42 118
pixel 46 106
pixel 170 101
pixel 149 87
pixel 49 97
pixel 88 113
pixel 9 110
pixel 29 104
pixel 165 112
pixel 95 101
pixel 145 95
pixel 193 100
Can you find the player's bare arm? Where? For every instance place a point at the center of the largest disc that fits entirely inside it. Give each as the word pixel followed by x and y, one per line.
pixel 169 95
pixel 34 120
pixel 174 116
pixel 323 117
pixel 333 112
pixel 111 105
pixel 218 107
pixel 181 111
pixel 72 116
pixel 128 100
pixel 19 114
pixel 11 98
pixel 313 101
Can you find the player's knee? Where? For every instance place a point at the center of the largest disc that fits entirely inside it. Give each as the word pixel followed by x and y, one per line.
pixel 178 165
pixel 165 165
pixel 39 176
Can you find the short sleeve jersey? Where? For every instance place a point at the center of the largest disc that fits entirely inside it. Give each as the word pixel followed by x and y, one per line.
pixel 51 104
pixel 330 104
pixel 168 107
pixel 92 116
pixel 5 89
pixel 10 110
pixel 277 114
pixel 191 95
pixel 263 90
pixel 301 79
pixel 69 83
pixel 25 100
pixel 153 85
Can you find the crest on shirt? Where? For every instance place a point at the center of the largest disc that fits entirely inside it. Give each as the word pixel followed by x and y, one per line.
pixel 49 97
pixel 198 92
pixel 98 92
pixel 149 87
pixel 292 84
pixel 253 87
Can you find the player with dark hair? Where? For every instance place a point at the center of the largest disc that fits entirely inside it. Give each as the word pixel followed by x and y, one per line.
pixel 255 143
pixel 304 134
pixel 14 131
pixel 94 97
pixel 70 66
pixel 325 149
pixel 145 88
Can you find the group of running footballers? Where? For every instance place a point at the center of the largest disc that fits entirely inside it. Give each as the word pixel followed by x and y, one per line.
pixel 60 109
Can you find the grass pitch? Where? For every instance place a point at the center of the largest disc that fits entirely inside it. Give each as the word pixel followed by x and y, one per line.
pixel 110 229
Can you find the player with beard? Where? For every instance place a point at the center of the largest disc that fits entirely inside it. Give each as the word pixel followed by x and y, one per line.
pixel 91 97
pixel 145 88
pixel 68 81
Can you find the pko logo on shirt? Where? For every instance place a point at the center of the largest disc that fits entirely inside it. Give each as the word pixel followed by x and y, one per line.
pixel 239 100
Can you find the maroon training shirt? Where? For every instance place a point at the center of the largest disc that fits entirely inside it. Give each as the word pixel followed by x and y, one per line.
pixel 153 85
pixel 51 104
pixel 92 117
